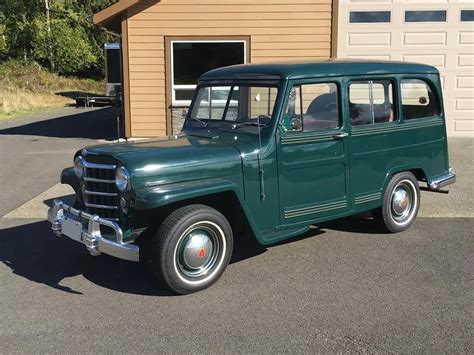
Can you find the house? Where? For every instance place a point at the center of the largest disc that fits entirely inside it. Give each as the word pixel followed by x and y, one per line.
pixel 167 44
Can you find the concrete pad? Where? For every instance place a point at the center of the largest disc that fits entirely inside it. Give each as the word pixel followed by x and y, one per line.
pixel 37 207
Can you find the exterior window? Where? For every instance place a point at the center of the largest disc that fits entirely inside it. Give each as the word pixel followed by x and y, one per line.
pixel 235 103
pixel 418 100
pixel 425 16
pixel 191 59
pixel 369 16
pixel 467 15
pixel 313 107
pixel 371 102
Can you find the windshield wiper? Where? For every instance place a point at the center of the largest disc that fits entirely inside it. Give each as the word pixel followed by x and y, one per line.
pixel 248 123
pixel 198 120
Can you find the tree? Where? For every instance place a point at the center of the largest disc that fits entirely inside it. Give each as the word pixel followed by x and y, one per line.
pixel 55 33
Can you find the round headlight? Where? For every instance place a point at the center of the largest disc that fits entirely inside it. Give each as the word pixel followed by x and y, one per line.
pixel 122 179
pixel 79 166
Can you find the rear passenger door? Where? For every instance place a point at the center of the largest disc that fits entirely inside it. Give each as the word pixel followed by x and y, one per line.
pixel 312 153
pixel 374 143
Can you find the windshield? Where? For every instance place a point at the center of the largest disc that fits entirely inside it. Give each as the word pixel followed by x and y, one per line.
pixel 233 107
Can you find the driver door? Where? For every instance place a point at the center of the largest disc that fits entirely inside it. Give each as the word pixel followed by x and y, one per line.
pixel 312 154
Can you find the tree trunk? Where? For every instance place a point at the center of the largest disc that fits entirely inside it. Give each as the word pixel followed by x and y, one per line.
pixel 48 28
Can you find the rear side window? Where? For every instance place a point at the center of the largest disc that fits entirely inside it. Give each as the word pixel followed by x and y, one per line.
pixel 418 100
pixel 371 102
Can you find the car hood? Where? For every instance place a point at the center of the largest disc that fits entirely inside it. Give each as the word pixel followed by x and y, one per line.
pixel 178 158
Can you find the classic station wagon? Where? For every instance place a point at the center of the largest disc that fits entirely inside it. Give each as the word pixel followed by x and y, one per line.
pixel 267 150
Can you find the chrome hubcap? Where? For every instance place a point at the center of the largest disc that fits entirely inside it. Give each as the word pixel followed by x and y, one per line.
pixel 197 251
pixel 402 202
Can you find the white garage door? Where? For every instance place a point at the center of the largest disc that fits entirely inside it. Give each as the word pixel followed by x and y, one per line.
pixel 436 32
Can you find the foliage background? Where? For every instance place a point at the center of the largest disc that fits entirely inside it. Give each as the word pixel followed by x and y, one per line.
pixel 75 43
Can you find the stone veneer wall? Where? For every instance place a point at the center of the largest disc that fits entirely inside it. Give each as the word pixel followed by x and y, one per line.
pixel 177 118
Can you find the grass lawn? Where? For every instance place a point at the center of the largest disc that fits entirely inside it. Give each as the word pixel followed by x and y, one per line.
pixel 27 87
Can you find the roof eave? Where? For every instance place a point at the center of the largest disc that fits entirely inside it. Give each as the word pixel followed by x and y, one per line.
pixel 109 16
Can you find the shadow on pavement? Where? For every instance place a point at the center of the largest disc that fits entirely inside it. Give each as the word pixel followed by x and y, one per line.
pixel 96 124
pixel 35 253
pixel 362 223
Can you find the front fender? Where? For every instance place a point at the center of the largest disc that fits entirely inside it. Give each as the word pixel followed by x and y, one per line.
pixel 157 196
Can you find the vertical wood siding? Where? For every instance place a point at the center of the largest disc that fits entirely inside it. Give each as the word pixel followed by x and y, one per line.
pixel 278 30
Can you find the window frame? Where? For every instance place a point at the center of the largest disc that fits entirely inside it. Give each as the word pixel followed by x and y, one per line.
pixel 396 100
pixel 433 88
pixel 424 10
pixel 174 87
pixel 340 114
pixel 369 22
pixel 461 13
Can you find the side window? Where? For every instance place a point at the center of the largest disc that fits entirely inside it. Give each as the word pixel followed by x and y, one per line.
pixel 418 100
pixel 312 108
pixel 371 102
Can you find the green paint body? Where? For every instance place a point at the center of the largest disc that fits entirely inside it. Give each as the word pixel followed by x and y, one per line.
pixel 308 177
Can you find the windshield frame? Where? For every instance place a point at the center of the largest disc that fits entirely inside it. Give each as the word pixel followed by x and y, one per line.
pixel 191 124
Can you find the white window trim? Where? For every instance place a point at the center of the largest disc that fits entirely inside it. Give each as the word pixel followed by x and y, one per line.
pixel 174 87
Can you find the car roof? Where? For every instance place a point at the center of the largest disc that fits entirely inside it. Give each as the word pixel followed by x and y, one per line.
pixel 313 69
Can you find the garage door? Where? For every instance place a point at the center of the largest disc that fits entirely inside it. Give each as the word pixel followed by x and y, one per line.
pixel 436 32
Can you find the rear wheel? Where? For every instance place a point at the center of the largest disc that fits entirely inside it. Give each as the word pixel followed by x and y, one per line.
pixel 400 204
pixel 192 248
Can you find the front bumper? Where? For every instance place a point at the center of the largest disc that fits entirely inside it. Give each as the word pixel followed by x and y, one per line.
pixel 442 181
pixel 86 229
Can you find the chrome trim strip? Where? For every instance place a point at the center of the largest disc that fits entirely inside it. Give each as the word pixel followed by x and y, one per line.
pixel 315 209
pixel 368 198
pixel 442 181
pixel 91 235
pixel 99 180
pixel 110 194
pixel 372 199
pixel 105 207
pixel 375 130
pixel 302 139
pixel 316 206
pixel 99 166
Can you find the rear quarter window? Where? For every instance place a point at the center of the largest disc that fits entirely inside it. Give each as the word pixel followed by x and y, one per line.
pixel 418 99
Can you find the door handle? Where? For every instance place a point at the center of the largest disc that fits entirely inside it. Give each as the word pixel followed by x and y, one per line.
pixel 341 135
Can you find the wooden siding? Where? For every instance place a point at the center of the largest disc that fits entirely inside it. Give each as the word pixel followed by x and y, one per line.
pixel 278 30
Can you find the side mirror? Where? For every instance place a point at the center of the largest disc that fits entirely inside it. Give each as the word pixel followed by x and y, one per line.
pixel 184 114
pixel 296 124
pixel 264 119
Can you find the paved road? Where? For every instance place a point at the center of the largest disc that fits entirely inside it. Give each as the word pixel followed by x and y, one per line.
pixel 35 148
pixel 343 287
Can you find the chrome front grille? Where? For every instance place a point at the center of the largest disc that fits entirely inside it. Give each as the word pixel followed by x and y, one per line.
pixel 100 194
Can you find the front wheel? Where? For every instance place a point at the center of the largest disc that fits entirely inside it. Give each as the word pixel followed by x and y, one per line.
pixel 192 248
pixel 400 204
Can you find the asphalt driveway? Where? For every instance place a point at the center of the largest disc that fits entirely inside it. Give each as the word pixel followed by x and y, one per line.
pixel 342 287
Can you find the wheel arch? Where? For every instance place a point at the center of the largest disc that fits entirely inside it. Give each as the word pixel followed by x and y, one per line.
pixel 224 196
pixel 415 170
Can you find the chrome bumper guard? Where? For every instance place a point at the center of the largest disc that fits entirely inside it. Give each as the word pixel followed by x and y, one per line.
pixel 442 181
pixel 89 232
